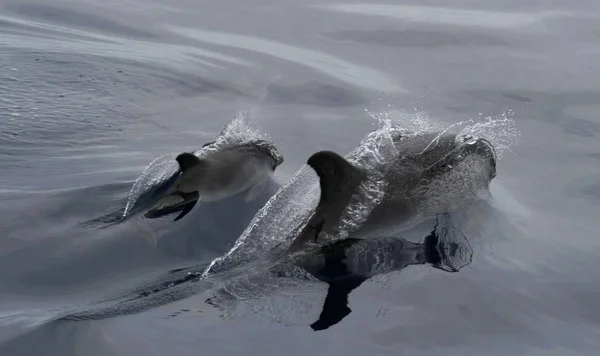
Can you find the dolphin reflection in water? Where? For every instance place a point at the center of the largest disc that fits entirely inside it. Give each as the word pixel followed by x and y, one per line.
pixel 346 264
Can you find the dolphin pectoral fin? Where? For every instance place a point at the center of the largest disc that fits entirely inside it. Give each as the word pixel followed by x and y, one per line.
pixel 184 203
pixel 190 200
pixel 336 307
pixel 185 210
pixel 256 190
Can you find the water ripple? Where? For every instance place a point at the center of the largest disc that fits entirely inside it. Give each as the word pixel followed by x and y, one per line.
pixel 25 34
pixel 448 16
pixel 328 64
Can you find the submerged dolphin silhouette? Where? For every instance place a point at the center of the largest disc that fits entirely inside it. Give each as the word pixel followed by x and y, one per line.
pixel 431 174
pixel 346 264
pixel 221 174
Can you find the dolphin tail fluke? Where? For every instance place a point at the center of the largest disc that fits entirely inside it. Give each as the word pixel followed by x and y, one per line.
pixel 336 307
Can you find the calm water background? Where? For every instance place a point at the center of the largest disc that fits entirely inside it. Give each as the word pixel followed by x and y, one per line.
pixel 91 92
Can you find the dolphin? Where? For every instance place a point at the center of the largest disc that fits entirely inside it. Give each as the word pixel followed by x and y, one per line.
pixel 222 173
pixel 239 160
pixel 431 173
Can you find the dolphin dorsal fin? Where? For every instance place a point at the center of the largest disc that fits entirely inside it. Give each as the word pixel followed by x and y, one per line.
pixel 187 160
pixel 334 172
pixel 338 179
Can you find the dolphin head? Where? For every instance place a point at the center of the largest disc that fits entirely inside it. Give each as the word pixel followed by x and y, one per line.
pixel 270 151
pixel 469 153
pixel 462 172
pixel 484 149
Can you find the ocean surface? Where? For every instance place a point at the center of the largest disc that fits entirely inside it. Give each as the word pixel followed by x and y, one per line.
pixel 91 92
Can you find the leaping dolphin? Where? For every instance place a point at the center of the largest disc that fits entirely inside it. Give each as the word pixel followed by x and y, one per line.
pixel 431 174
pixel 221 174
pixel 239 159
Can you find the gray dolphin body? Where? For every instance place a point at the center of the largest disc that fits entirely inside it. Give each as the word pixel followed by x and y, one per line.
pixel 216 176
pixel 430 174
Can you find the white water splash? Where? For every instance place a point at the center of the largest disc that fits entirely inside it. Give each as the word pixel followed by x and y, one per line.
pixel 283 216
pixel 500 130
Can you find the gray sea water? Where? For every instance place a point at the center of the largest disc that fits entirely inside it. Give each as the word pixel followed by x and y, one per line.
pixel 91 92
